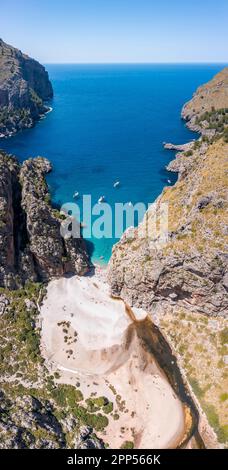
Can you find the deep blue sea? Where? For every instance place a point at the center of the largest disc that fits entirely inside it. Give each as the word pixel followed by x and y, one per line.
pixel 108 123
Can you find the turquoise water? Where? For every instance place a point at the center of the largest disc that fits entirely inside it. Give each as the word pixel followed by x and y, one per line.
pixel 108 123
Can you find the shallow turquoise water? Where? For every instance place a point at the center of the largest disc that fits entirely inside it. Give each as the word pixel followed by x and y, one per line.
pixel 108 123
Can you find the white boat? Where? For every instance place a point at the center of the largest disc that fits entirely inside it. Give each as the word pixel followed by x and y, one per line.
pixel 116 184
pixel 76 195
pixel 101 199
pixel 169 181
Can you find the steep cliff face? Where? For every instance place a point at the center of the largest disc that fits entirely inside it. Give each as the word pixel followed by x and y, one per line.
pixel 8 185
pixel 191 270
pixel 24 86
pixel 32 247
pixel 53 255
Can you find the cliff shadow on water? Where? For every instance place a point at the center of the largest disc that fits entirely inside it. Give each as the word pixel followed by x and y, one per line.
pixel 156 345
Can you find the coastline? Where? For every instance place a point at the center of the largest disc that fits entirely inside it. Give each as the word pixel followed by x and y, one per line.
pixel 105 350
pixel 49 110
pixel 40 118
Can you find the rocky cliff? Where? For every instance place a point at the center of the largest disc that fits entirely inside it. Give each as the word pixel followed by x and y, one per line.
pixel 24 87
pixel 28 423
pixel 31 246
pixel 192 268
pixel 208 98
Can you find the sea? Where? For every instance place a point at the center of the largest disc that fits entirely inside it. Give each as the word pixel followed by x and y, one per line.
pixel 108 124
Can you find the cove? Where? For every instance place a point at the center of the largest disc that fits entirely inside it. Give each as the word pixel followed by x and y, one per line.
pixel 108 124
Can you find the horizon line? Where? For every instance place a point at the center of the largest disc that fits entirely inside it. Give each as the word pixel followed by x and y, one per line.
pixel 138 63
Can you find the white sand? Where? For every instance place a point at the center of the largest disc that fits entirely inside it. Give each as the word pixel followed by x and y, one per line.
pixel 103 350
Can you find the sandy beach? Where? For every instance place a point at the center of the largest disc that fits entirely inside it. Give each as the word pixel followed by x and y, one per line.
pixel 89 338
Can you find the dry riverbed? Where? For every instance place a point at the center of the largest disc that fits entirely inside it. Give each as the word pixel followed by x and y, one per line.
pixel 88 337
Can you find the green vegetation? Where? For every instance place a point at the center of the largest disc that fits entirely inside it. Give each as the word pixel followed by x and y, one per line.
pixel 225 135
pixel 213 419
pixel 196 387
pixel 216 120
pixel 95 404
pixel 35 98
pixel 47 198
pixel 14 115
pixel 67 395
pixel 108 408
pixel 98 422
pixel 127 445
pixel 58 214
pixel 99 403
pixel 188 153
pixel 23 337
pixel 223 397
pixel 57 375
pixel 197 145
pixel 224 336
pixel 215 116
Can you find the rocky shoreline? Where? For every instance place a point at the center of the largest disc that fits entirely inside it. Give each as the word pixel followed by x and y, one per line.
pixel 31 246
pixel 25 90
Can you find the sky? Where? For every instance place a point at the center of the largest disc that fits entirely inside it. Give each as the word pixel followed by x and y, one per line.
pixel 107 31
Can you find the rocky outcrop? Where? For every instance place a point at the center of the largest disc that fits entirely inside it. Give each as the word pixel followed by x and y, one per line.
pixel 183 160
pixel 206 113
pixel 9 170
pixel 28 423
pixel 32 247
pixel 179 148
pixel 190 270
pixel 53 255
pixel 24 87
pixel 209 97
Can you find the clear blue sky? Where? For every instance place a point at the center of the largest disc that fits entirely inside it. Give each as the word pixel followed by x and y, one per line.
pixel 117 30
